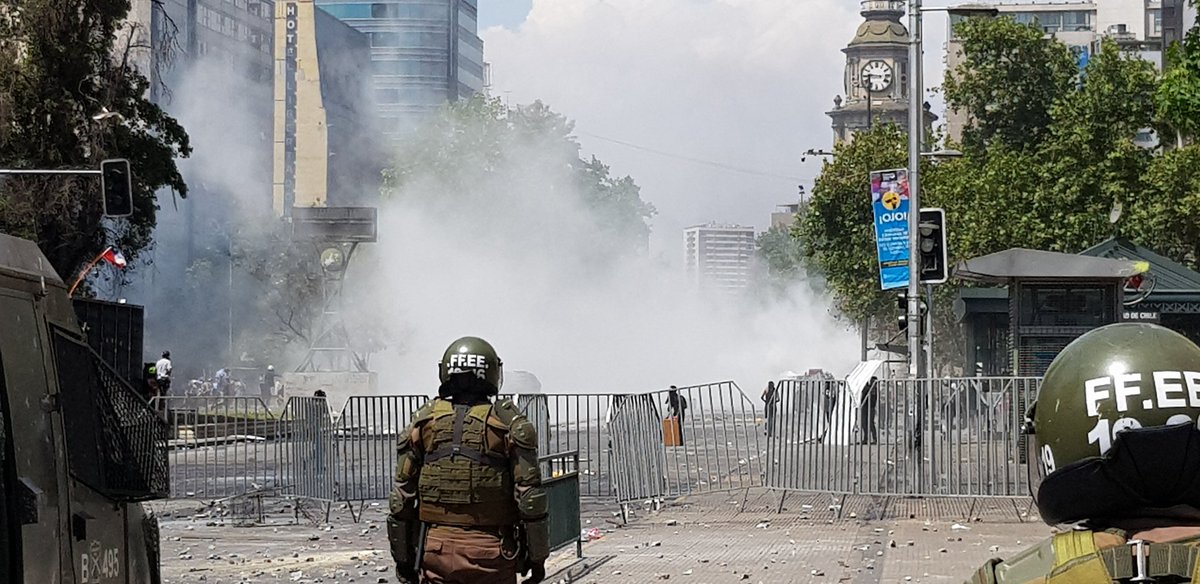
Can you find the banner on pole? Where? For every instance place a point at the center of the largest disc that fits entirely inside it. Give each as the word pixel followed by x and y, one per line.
pixel 889 200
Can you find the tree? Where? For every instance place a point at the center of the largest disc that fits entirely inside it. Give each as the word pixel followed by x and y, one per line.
pixel 1051 188
pixel 837 232
pixel 1055 194
pixel 522 164
pixel 61 63
pixel 782 253
pixel 1008 81
pixel 1178 96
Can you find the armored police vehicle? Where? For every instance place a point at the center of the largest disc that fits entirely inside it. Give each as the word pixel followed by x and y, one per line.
pixel 80 449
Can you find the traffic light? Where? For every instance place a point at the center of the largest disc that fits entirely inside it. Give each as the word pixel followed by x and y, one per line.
pixel 931 247
pixel 902 304
pixel 117 188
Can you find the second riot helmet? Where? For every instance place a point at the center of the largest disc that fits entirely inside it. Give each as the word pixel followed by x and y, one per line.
pixel 1114 425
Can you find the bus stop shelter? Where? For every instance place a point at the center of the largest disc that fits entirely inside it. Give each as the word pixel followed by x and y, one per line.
pixel 1051 298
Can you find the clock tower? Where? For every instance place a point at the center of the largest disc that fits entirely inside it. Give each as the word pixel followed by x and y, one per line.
pixel 876 77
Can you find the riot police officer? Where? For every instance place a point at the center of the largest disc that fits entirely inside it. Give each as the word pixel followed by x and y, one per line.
pixel 468 506
pixel 1116 450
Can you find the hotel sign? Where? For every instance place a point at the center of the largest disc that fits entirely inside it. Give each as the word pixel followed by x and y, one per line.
pixel 291 19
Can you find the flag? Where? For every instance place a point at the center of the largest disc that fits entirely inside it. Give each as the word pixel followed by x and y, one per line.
pixel 113 257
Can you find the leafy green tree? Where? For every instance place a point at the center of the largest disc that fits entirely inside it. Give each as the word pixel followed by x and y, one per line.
pixel 1165 219
pixel 782 253
pixel 1008 81
pixel 837 231
pixel 1178 96
pixel 1056 194
pixel 62 62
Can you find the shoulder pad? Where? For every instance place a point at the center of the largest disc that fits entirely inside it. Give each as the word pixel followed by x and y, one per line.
pixel 425 412
pixel 1031 565
pixel 507 411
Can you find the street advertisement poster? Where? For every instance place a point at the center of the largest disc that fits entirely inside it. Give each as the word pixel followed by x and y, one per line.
pixel 889 200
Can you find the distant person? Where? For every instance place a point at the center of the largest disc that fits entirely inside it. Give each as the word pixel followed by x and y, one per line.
pixel 676 404
pixel 770 397
pixel 319 393
pixel 150 381
pixel 221 382
pixel 869 410
pixel 162 373
pixel 267 387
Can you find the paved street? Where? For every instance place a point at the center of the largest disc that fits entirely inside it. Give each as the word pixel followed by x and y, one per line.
pixel 698 540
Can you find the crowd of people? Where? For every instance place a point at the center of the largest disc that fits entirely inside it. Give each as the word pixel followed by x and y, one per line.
pixel 158 382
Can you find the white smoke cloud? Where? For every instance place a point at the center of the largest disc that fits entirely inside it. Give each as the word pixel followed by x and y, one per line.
pixel 514 263
pixel 741 82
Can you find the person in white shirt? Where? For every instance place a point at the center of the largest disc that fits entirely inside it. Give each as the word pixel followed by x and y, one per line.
pixel 163 373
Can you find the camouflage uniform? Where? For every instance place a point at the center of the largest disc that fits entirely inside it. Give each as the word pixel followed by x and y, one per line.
pixel 468 474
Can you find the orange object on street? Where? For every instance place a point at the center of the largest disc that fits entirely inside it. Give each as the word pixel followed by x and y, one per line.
pixel 672 433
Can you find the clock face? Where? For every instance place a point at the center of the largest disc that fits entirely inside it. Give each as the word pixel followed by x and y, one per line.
pixel 332 259
pixel 877 75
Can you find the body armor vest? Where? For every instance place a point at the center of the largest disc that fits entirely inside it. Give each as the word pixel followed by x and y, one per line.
pixel 466 478
pixel 1094 557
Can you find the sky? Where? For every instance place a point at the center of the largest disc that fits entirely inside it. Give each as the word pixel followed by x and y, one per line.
pixel 708 104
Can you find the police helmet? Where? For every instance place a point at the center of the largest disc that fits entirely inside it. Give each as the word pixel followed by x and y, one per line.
pixel 475 356
pixel 1114 426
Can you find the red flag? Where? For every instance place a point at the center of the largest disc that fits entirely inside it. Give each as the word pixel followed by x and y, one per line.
pixel 114 257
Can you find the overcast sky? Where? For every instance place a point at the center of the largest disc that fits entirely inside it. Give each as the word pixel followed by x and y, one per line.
pixel 728 84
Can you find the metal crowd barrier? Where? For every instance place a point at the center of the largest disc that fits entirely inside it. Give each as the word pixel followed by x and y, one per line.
pixel 306 448
pixel 220 447
pixel 562 497
pixel 946 437
pixel 952 437
pixel 366 436
pixel 696 439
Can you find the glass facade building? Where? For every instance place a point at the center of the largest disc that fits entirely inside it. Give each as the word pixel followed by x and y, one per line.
pixel 423 54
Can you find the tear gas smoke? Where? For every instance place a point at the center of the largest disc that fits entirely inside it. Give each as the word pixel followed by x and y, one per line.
pixel 515 262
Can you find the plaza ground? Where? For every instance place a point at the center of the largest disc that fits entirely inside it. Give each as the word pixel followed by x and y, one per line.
pixel 742 536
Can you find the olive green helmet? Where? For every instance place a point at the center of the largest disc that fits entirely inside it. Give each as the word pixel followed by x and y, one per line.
pixel 1112 379
pixel 472 355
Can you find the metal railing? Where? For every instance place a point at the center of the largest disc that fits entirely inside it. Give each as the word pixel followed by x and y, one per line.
pixel 220 447
pixel 562 496
pixel 948 437
pixel 952 437
pixel 695 439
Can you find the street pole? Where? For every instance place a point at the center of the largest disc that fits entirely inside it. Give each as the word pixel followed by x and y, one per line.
pixel 915 125
pixel 929 329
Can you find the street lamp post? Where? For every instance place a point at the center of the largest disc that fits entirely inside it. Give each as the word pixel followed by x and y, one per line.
pixel 915 125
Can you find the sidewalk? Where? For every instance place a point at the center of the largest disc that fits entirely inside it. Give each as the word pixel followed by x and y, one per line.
pixel 695 540
pixel 708 541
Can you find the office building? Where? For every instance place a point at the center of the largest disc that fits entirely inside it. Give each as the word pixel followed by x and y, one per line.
pixel 1138 26
pixel 325 151
pixel 876 74
pixel 423 52
pixel 784 216
pixel 1178 17
pixel 719 256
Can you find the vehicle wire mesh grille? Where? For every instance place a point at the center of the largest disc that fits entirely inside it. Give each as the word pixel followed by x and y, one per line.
pixel 116 443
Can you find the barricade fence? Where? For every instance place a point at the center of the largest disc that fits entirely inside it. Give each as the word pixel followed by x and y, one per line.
pixel 943 437
pixel 953 437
